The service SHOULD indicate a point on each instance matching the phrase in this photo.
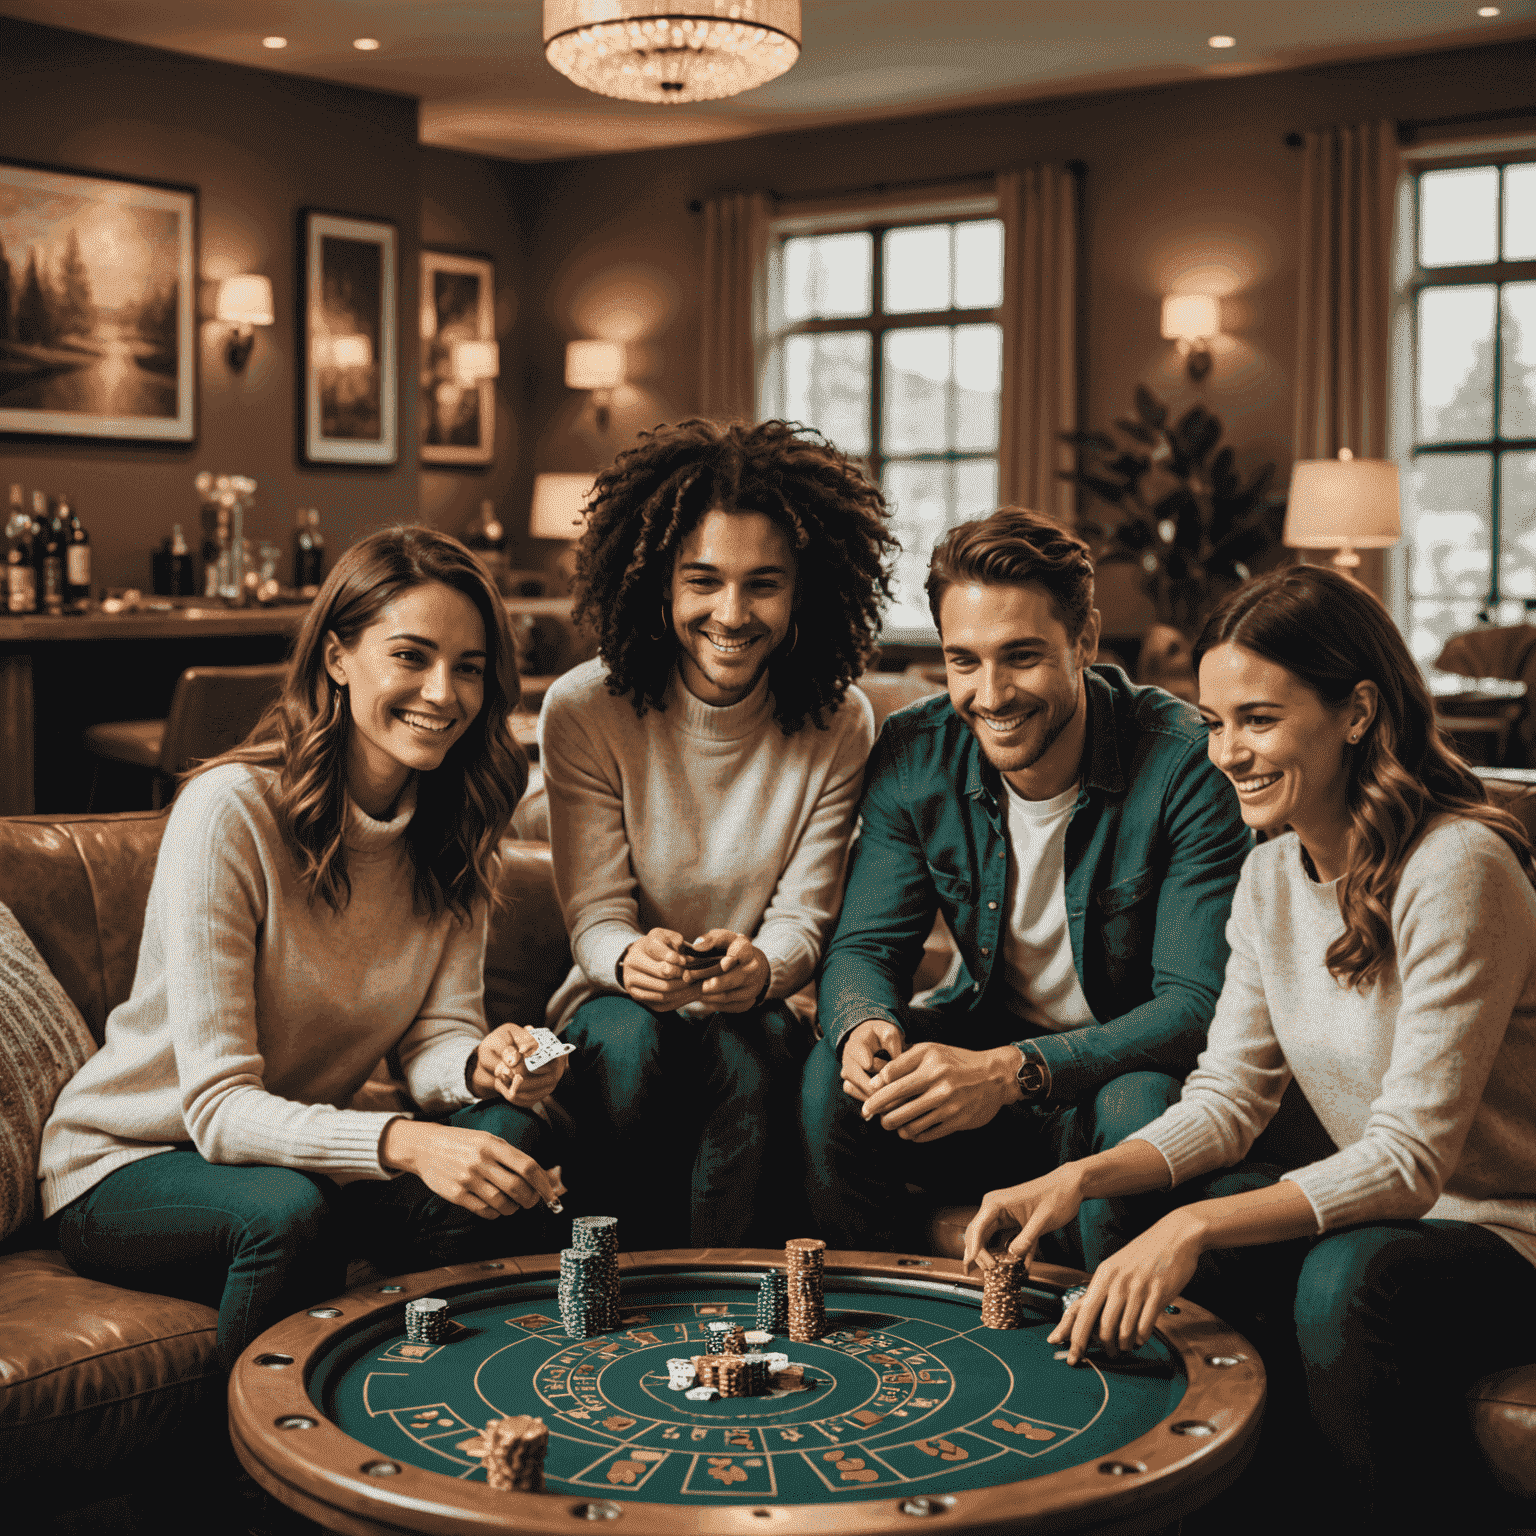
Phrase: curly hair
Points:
(464, 805)
(1331, 634)
(653, 495)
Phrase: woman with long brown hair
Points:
(1384, 958)
(320, 899)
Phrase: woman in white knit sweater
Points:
(319, 899)
(1384, 958)
(703, 779)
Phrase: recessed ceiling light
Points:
(365, 44)
(1487, 10)
(1221, 42)
(274, 42)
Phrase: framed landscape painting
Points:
(458, 343)
(349, 408)
(97, 306)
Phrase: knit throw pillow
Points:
(43, 1043)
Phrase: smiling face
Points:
(1286, 751)
(1016, 679)
(733, 597)
(415, 679)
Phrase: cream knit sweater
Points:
(1426, 1082)
(255, 1016)
(696, 817)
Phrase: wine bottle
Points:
(488, 540)
(308, 550)
(48, 555)
(181, 581)
(20, 576)
(77, 558)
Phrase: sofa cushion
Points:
(90, 1368)
(1503, 1410)
(528, 954)
(43, 1043)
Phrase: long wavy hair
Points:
(1331, 634)
(462, 806)
(655, 494)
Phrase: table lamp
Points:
(1344, 504)
(559, 508)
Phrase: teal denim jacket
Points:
(1153, 851)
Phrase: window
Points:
(886, 337)
(1470, 497)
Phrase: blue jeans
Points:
(676, 1115)
(259, 1243)
(858, 1173)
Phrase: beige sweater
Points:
(696, 817)
(255, 1016)
(1426, 1082)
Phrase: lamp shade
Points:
(351, 352)
(1343, 504)
(245, 300)
(594, 364)
(475, 360)
(559, 504)
(1190, 317)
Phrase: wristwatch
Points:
(1031, 1077)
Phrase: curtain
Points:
(1343, 348)
(735, 303)
(1038, 207)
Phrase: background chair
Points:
(1500, 733)
(212, 709)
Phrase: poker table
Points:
(911, 1416)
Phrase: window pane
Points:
(979, 264)
(1456, 363)
(1519, 212)
(917, 269)
(979, 384)
(826, 385)
(1448, 515)
(826, 276)
(975, 489)
(1430, 625)
(1517, 525)
(915, 402)
(1457, 216)
(1517, 342)
(919, 499)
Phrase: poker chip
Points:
(681, 1375)
(426, 1320)
(772, 1303)
(589, 1277)
(1002, 1292)
(757, 1337)
(701, 1394)
(805, 1268)
(734, 1342)
(716, 1335)
(512, 1451)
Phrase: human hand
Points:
(473, 1169)
(861, 1049)
(733, 983)
(654, 972)
(1035, 1207)
(1130, 1289)
(498, 1068)
(932, 1090)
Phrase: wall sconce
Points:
(472, 361)
(598, 366)
(1343, 504)
(559, 508)
(243, 303)
(1192, 319)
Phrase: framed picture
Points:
(349, 407)
(458, 358)
(97, 306)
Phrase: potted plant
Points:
(1188, 523)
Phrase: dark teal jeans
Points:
(685, 1126)
(259, 1243)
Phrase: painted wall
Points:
(1189, 186)
(259, 147)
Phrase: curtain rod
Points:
(879, 188)
(1409, 129)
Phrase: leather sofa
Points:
(100, 1382)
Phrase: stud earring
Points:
(1355, 738)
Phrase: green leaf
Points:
(1135, 429)
(1099, 442)
(1150, 408)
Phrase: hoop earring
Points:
(666, 623)
(796, 640)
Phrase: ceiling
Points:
(480, 75)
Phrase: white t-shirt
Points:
(1037, 947)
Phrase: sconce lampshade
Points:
(1190, 317)
(559, 503)
(1343, 503)
(245, 300)
(475, 360)
(594, 364)
(351, 352)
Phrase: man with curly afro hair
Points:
(703, 776)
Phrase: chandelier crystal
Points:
(689, 50)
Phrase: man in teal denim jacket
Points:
(1083, 852)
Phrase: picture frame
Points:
(458, 304)
(98, 306)
(348, 335)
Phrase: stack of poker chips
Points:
(426, 1321)
(1002, 1292)
(681, 1374)
(589, 1277)
(734, 1342)
(727, 1374)
(512, 1452)
(717, 1335)
(772, 1296)
(805, 1261)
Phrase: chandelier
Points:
(689, 50)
